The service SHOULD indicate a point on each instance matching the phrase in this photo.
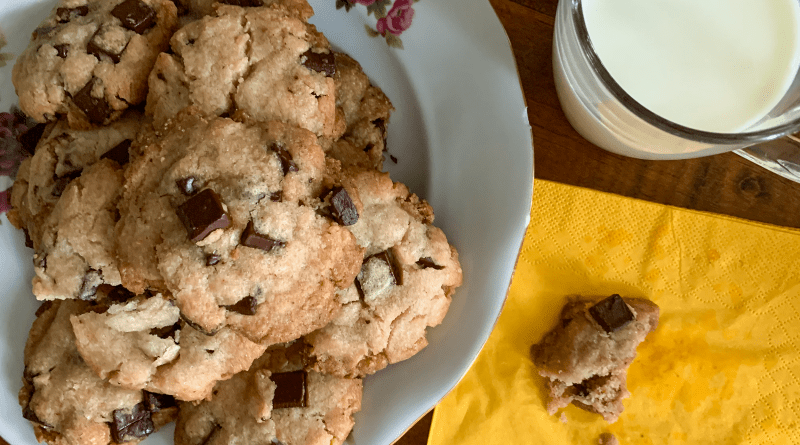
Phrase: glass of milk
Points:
(674, 79)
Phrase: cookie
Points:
(61, 154)
(225, 216)
(89, 59)
(408, 275)
(363, 112)
(76, 251)
(278, 401)
(200, 8)
(585, 358)
(259, 64)
(141, 343)
(66, 403)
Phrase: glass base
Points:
(781, 156)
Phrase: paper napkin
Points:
(723, 367)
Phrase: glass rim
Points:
(708, 137)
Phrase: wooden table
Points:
(725, 183)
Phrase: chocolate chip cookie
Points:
(278, 401)
(363, 111)
(225, 216)
(262, 63)
(200, 8)
(89, 59)
(408, 275)
(585, 358)
(66, 403)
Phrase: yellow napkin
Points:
(723, 367)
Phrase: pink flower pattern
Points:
(390, 23)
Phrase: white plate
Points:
(461, 136)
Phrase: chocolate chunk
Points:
(197, 327)
(245, 306)
(287, 164)
(244, 3)
(135, 15)
(63, 50)
(102, 55)
(202, 214)
(612, 313)
(427, 263)
(66, 14)
(394, 159)
(119, 153)
(91, 281)
(43, 307)
(166, 331)
(131, 425)
(97, 110)
(212, 259)
(42, 31)
(320, 62)
(251, 238)
(30, 139)
(30, 415)
(155, 402)
(343, 208)
(28, 240)
(380, 123)
(378, 274)
(187, 186)
(118, 294)
(276, 196)
(290, 390)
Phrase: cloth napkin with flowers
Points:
(723, 366)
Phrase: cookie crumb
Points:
(607, 439)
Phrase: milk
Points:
(713, 65)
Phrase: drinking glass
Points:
(603, 113)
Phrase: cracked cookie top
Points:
(225, 216)
(89, 60)
(258, 63)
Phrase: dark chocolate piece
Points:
(427, 263)
(97, 110)
(612, 313)
(28, 240)
(244, 3)
(343, 208)
(30, 139)
(287, 164)
(276, 196)
(155, 402)
(30, 415)
(66, 14)
(245, 306)
(320, 62)
(197, 327)
(213, 259)
(291, 390)
(60, 184)
(367, 282)
(43, 307)
(166, 331)
(91, 281)
(127, 426)
(202, 214)
(119, 153)
(380, 123)
(135, 15)
(63, 50)
(187, 186)
(118, 294)
(101, 54)
(42, 31)
(251, 238)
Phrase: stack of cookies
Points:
(214, 241)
